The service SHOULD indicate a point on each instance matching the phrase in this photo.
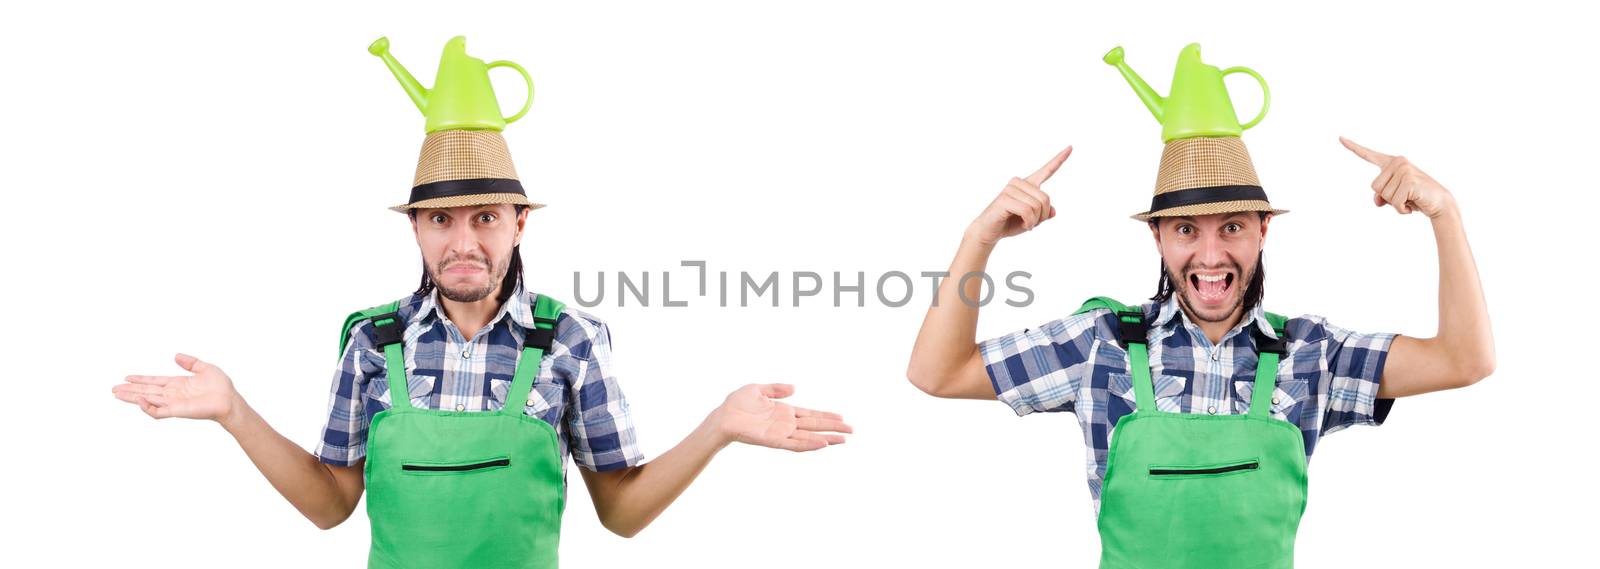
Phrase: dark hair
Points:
(1252, 291)
(507, 285)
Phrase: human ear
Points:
(1264, 221)
(522, 223)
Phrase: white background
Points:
(212, 179)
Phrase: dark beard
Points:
(471, 294)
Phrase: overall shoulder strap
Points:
(361, 316)
(535, 344)
(1133, 332)
(389, 336)
(1131, 327)
(546, 311)
(1102, 302)
(1269, 351)
(1278, 322)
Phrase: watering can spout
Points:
(1153, 101)
(418, 93)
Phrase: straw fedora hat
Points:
(463, 168)
(1204, 176)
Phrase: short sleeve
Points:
(344, 436)
(1041, 369)
(1354, 364)
(599, 428)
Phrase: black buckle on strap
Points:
(1131, 328)
(392, 332)
(1270, 344)
(540, 338)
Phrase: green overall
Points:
(463, 489)
(1189, 490)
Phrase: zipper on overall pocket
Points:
(415, 468)
(1182, 471)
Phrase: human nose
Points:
(1212, 252)
(463, 239)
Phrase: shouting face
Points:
(1210, 259)
(467, 250)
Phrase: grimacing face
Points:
(1210, 259)
(467, 250)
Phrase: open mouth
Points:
(1211, 288)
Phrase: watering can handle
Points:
(1266, 95)
(529, 80)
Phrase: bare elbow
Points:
(623, 523)
(1481, 369)
(624, 531)
(1482, 365)
(943, 373)
(330, 520)
(930, 383)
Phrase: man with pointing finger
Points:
(1199, 409)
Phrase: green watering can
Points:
(461, 97)
(1198, 105)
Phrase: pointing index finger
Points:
(1378, 159)
(1049, 169)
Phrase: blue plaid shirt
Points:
(1326, 382)
(574, 391)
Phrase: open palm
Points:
(208, 394)
(752, 415)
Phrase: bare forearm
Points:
(945, 361)
(302, 479)
(947, 339)
(643, 492)
(1464, 331)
